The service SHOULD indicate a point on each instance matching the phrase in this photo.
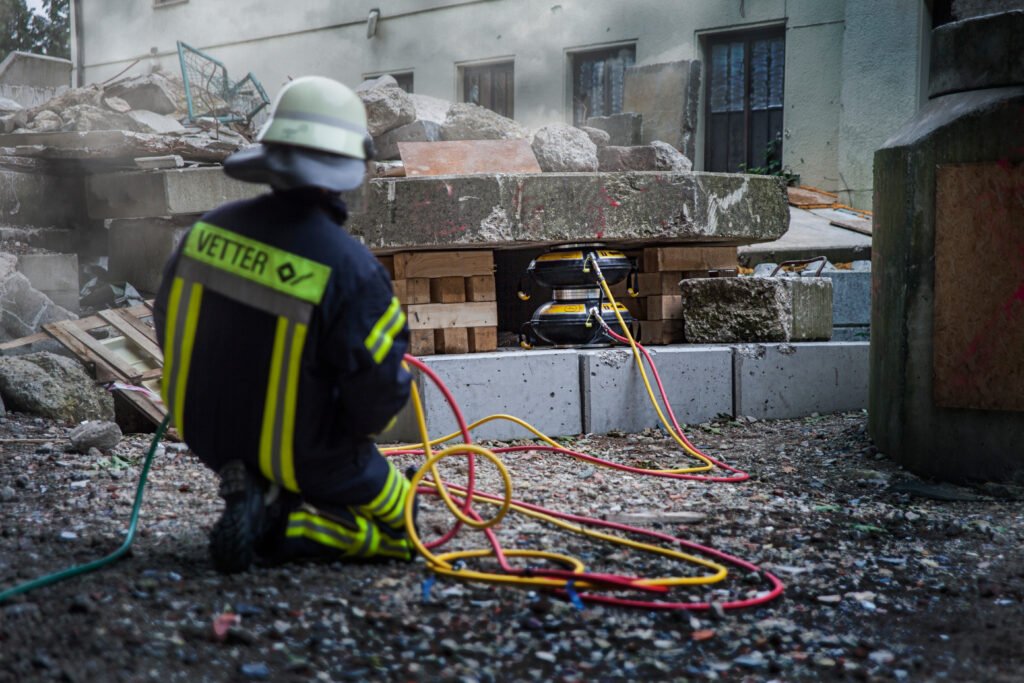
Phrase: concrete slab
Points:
(55, 275)
(793, 380)
(809, 235)
(697, 381)
(541, 387)
(494, 211)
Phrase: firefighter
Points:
(283, 346)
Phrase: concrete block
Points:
(24, 68)
(417, 131)
(32, 197)
(756, 309)
(793, 380)
(55, 275)
(851, 297)
(666, 96)
(541, 387)
(697, 381)
(138, 248)
(624, 130)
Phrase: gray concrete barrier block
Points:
(139, 247)
(540, 387)
(697, 381)
(793, 380)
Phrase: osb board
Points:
(806, 198)
(465, 157)
(978, 357)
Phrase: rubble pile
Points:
(148, 114)
(396, 116)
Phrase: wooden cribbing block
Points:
(436, 316)
(665, 307)
(483, 339)
(399, 288)
(451, 340)
(389, 264)
(417, 291)
(665, 282)
(480, 288)
(448, 290)
(685, 258)
(421, 342)
(444, 264)
(661, 331)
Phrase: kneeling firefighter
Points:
(283, 347)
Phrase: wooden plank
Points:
(399, 289)
(93, 350)
(389, 265)
(451, 340)
(448, 290)
(443, 263)
(436, 316)
(463, 157)
(421, 342)
(417, 290)
(665, 307)
(664, 282)
(688, 258)
(661, 332)
(483, 339)
(809, 198)
(864, 227)
(91, 322)
(480, 288)
(139, 333)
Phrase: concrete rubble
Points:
(53, 386)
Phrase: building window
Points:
(403, 78)
(491, 86)
(744, 96)
(597, 79)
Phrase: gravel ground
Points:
(887, 577)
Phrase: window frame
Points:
(505, 65)
(575, 54)
(747, 37)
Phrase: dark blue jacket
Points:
(350, 380)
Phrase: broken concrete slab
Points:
(53, 386)
(33, 196)
(597, 136)
(24, 309)
(624, 130)
(432, 109)
(756, 309)
(153, 92)
(561, 148)
(114, 145)
(387, 107)
(465, 121)
(87, 117)
(147, 121)
(138, 247)
(417, 131)
(615, 159)
(668, 158)
(495, 211)
(666, 96)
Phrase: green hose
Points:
(102, 562)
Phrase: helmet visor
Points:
(286, 167)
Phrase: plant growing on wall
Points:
(773, 164)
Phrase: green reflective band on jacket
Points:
(257, 261)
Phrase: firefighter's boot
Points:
(240, 527)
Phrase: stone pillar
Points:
(947, 324)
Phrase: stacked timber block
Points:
(448, 298)
(659, 303)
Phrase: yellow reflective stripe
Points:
(187, 343)
(169, 355)
(290, 401)
(386, 496)
(382, 336)
(325, 532)
(270, 404)
(257, 261)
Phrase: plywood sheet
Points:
(978, 342)
(807, 198)
(466, 157)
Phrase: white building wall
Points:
(432, 38)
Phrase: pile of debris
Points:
(396, 116)
(147, 115)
